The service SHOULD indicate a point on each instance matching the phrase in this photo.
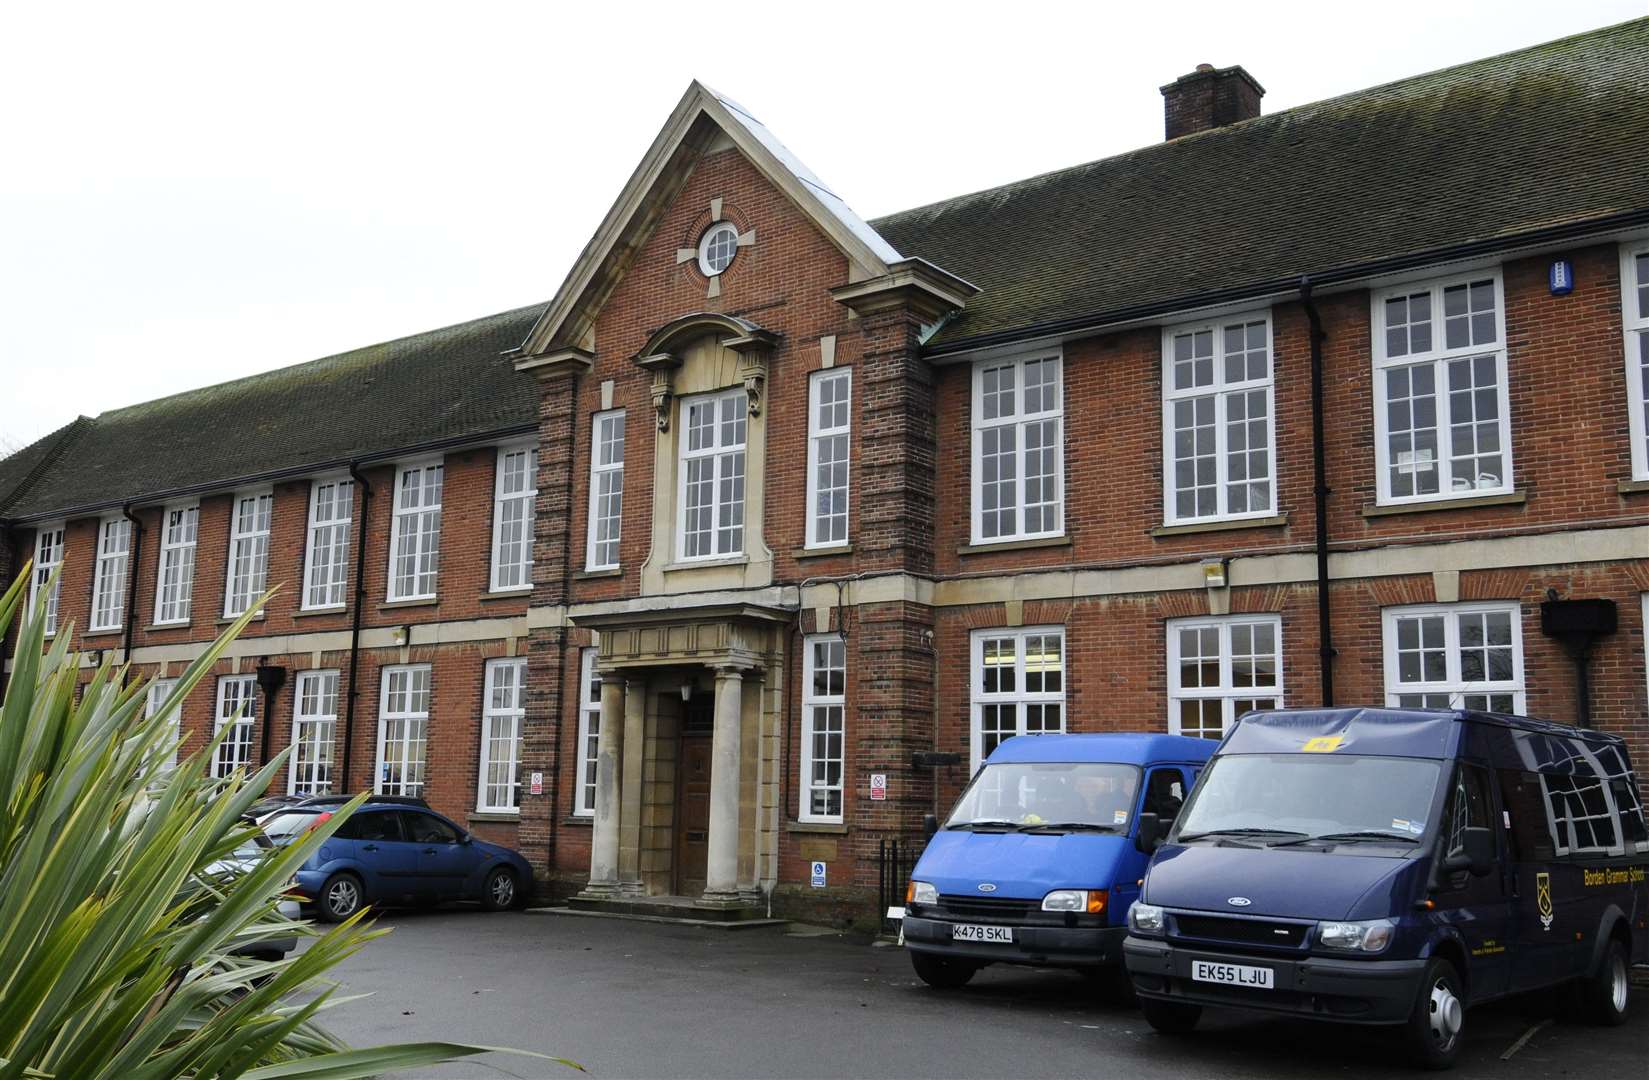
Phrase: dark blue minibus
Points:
(1037, 864)
(1396, 866)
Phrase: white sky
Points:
(194, 193)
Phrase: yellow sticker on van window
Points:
(1323, 744)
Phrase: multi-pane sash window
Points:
(237, 709)
(1442, 427)
(501, 714)
(824, 702)
(589, 732)
(326, 560)
(829, 424)
(1217, 431)
(114, 546)
(514, 493)
(1634, 284)
(1219, 669)
(248, 551)
(403, 730)
(178, 528)
(1017, 685)
(1018, 449)
(314, 719)
(1455, 656)
(712, 475)
(415, 541)
(606, 490)
(159, 691)
(48, 556)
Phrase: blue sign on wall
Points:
(1561, 278)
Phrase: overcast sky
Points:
(195, 193)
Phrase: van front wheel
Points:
(1436, 1028)
(940, 973)
(1607, 992)
(1170, 1017)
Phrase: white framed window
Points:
(415, 533)
(1218, 440)
(1018, 449)
(175, 576)
(1220, 668)
(314, 720)
(1634, 311)
(1454, 656)
(114, 547)
(712, 475)
(326, 550)
(589, 732)
(717, 247)
(1442, 424)
(502, 711)
(829, 431)
(159, 691)
(1016, 686)
(515, 491)
(237, 708)
(606, 490)
(403, 730)
(824, 708)
(48, 556)
(248, 572)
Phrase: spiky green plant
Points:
(121, 947)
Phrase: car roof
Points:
(1428, 733)
(1123, 748)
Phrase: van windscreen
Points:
(1301, 797)
(1079, 795)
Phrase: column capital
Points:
(731, 671)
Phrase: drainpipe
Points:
(355, 615)
(1320, 493)
(133, 561)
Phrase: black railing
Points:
(895, 860)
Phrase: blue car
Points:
(1037, 862)
(398, 852)
(1396, 866)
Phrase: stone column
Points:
(609, 759)
(721, 879)
(631, 784)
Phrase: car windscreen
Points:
(283, 828)
(1097, 796)
(1285, 798)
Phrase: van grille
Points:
(1247, 931)
(989, 909)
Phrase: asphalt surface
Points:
(636, 999)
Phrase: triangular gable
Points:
(701, 117)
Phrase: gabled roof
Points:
(698, 120)
(1546, 139)
(21, 470)
(444, 387)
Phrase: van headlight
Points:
(1080, 901)
(1371, 936)
(920, 892)
(1145, 919)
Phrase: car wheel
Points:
(1437, 1025)
(1606, 994)
(941, 973)
(501, 891)
(340, 898)
(1170, 1017)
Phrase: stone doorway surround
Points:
(645, 659)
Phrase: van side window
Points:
(1525, 807)
(1165, 794)
(1632, 829)
(1468, 805)
(1580, 810)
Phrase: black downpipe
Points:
(355, 616)
(134, 558)
(1320, 493)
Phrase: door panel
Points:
(692, 814)
(389, 863)
(1476, 906)
(443, 863)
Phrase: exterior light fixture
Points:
(403, 635)
(1213, 573)
(1561, 277)
(686, 689)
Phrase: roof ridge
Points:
(877, 222)
(65, 437)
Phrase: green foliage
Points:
(122, 945)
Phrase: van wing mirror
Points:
(1148, 833)
(1476, 852)
(930, 825)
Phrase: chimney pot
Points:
(1209, 97)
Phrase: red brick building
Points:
(668, 581)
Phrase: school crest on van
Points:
(1543, 898)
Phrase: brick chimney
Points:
(1209, 97)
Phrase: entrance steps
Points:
(683, 910)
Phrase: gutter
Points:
(1320, 492)
(133, 561)
(355, 615)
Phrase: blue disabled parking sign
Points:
(818, 875)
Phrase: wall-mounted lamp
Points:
(403, 635)
(1213, 573)
(97, 657)
(687, 690)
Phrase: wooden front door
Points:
(693, 797)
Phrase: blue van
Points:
(1395, 866)
(1037, 863)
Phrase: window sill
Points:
(1633, 487)
(823, 828)
(586, 820)
(1273, 521)
(393, 605)
(592, 575)
(1508, 498)
(501, 817)
(821, 552)
(505, 594)
(229, 620)
(310, 613)
(160, 626)
(114, 631)
(1014, 545)
(705, 564)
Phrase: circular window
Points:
(717, 247)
